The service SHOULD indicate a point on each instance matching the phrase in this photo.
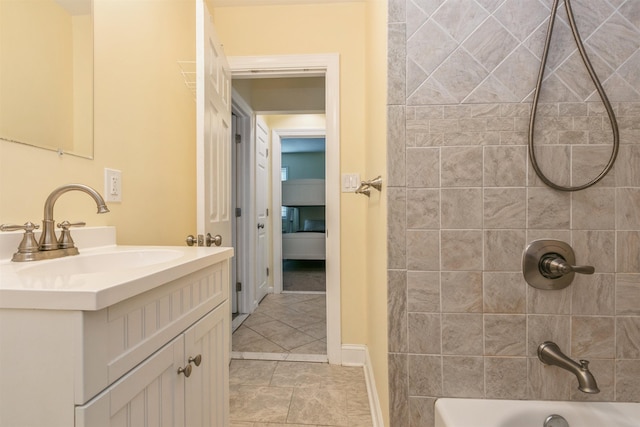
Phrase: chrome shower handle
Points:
(554, 265)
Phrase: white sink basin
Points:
(533, 413)
(99, 262)
(99, 277)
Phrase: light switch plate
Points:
(350, 182)
(112, 185)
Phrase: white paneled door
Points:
(262, 186)
(213, 121)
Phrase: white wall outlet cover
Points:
(112, 185)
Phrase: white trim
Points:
(246, 119)
(307, 65)
(276, 193)
(289, 357)
(358, 355)
(237, 3)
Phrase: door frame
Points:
(327, 66)
(245, 122)
(276, 193)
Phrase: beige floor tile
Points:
(251, 372)
(245, 339)
(315, 347)
(325, 406)
(264, 404)
(316, 330)
(283, 335)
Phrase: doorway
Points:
(327, 67)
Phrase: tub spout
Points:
(48, 239)
(550, 354)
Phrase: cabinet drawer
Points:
(116, 339)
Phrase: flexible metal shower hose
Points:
(599, 88)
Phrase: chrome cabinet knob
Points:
(196, 360)
(186, 370)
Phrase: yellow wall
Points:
(376, 158)
(144, 126)
(313, 29)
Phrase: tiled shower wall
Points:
(464, 201)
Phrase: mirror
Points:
(46, 74)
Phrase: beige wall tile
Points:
(463, 376)
(627, 384)
(423, 250)
(592, 337)
(627, 250)
(628, 337)
(397, 310)
(505, 207)
(593, 294)
(627, 294)
(423, 208)
(462, 334)
(505, 166)
(505, 335)
(505, 377)
(425, 375)
(461, 292)
(504, 293)
(628, 208)
(461, 208)
(424, 333)
(461, 249)
(423, 291)
(541, 328)
(461, 166)
(423, 167)
(548, 208)
(503, 249)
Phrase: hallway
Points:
(284, 325)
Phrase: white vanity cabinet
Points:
(155, 394)
(119, 365)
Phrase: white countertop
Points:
(34, 285)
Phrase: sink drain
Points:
(555, 420)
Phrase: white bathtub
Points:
(532, 413)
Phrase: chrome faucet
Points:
(550, 354)
(48, 239)
(49, 247)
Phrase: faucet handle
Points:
(28, 226)
(29, 244)
(65, 241)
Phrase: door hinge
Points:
(238, 212)
(267, 271)
(267, 212)
(267, 153)
(238, 286)
(238, 138)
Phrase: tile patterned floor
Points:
(297, 394)
(287, 323)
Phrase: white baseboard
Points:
(358, 355)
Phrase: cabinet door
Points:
(150, 395)
(207, 389)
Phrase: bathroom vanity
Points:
(116, 336)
